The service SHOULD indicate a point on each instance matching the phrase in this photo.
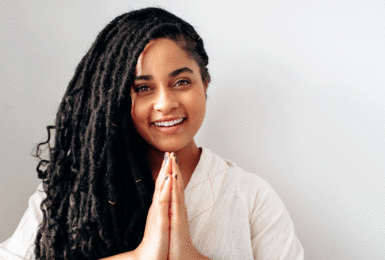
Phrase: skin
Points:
(157, 95)
(181, 245)
(168, 85)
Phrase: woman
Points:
(126, 180)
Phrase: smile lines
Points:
(169, 123)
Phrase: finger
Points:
(177, 194)
(164, 199)
(176, 172)
(165, 192)
(160, 179)
(166, 171)
(164, 175)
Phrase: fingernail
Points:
(166, 177)
(165, 157)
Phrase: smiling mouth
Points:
(169, 123)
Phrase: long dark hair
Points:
(99, 187)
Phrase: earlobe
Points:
(206, 85)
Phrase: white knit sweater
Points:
(233, 214)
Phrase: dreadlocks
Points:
(99, 187)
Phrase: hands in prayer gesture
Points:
(167, 233)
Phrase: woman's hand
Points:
(155, 243)
(181, 245)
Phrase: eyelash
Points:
(140, 89)
(182, 82)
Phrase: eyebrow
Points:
(171, 74)
(179, 71)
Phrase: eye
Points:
(142, 88)
(182, 82)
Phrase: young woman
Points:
(126, 180)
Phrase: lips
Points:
(170, 127)
(169, 123)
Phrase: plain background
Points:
(297, 97)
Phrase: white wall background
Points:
(297, 96)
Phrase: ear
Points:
(205, 85)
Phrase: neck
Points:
(188, 158)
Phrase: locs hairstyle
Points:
(98, 185)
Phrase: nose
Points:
(165, 100)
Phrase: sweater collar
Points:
(203, 188)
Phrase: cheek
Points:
(138, 113)
(197, 105)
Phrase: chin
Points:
(170, 146)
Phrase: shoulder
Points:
(239, 181)
(250, 204)
(249, 189)
(21, 244)
(245, 181)
(36, 199)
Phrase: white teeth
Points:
(169, 123)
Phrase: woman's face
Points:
(168, 96)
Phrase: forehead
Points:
(162, 56)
